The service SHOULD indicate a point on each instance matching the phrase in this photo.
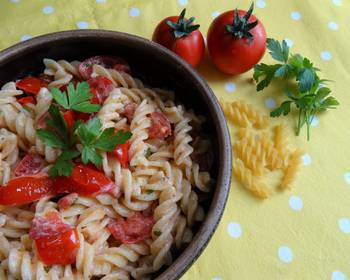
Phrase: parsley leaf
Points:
(64, 164)
(77, 99)
(310, 96)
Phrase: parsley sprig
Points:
(311, 96)
(77, 99)
(91, 135)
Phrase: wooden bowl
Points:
(156, 66)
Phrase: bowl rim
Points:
(191, 253)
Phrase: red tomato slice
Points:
(29, 165)
(69, 118)
(25, 189)
(31, 84)
(129, 110)
(56, 241)
(82, 116)
(132, 230)
(85, 181)
(26, 100)
(67, 200)
(121, 151)
(160, 126)
(101, 88)
(85, 67)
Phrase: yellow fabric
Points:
(318, 234)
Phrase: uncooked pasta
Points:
(79, 208)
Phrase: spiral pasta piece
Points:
(236, 116)
(62, 70)
(182, 148)
(292, 169)
(247, 179)
(254, 116)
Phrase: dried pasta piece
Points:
(258, 120)
(235, 115)
(249, 181)
(245, 152)
(281, 141)
(292, 169)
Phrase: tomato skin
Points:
(29, 165)
(121, 151)
(85, 181)
(190, 48)
(31, 84)
(229, 54)
(160, 126)
(69, 118)
(132, 230)
(26, 189)
(101, 87)
(26, 100)
(56, 241)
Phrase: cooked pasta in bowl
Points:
(115, 159)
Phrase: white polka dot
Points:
(338, 275)
(261, 4)
(15, 1)
(230, 87)
(101, 1)
(48, 10)
(347, 177)
(295, 203)
(315, 121)
(134, 12)
(333, 25)
(26, 37)
(183, 2)
(215, 14)
(307, 159)
(344, 225)
(337, 2)
(216, 278)
(285, 254)
(289, 42)
(234, 230)
(326, 55)
(295, 15)
(270, 103)
(82, 25)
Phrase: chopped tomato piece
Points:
(82, 116)
(85, 181)
(56, 241)
(31, 84)
(129, 110)
(67, 200)
(160, 126)
(132, 230)
(121, 151)
(85, 67)
(69, 118)
(101, 88)
(29, 165)
(25, 189)
(26, 100)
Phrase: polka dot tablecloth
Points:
(303, 233)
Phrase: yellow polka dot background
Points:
(303, 233)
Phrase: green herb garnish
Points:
(157, 232)
(77, 99)
(311, 96)
(150, 191)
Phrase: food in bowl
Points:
(100, 174)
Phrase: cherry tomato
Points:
(67, 200)
(26, 100)
(132, 230)
(56, 241)
(31, 84)
(69, 118)
(29, 165)
(101, 88)
(121, 151)
(25, 189)
(160, 126)
(236, 47)
(117, 63)
(85, 181)
(179, 35)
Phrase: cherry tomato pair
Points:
(236, 40)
